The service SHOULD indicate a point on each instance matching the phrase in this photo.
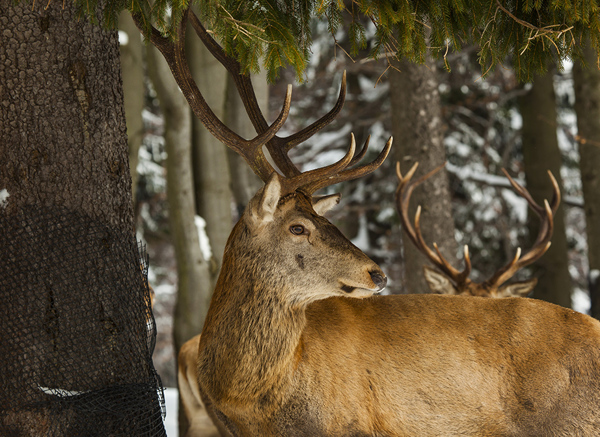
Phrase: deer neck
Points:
(252, 334)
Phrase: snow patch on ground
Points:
(171, 403)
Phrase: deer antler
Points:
(461, 279)
(251, 150)
(403, 193)
(542, 242)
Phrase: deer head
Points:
(283, 217)
(446, 279)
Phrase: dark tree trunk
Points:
(418, 137)
(76, 350)
(541, 153)
(587, 107)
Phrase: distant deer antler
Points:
(251, 150)
(464, 285)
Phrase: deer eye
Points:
(297, 229)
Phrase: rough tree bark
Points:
(418, 137)
(587, 107)
(74, 310)
(541, 153)
(132, 68)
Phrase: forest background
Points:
(443, 110)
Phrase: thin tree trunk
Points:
(541, 153)
(587, 107)
(132, 68)
(418, 137)
(74, 305)
(193, 291)
(211, 166)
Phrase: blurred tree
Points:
(587, 107)
(540, 154)
(193, 288)
(211, 168)
(417, 126)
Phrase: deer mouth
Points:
(347, 289)
(379, 282)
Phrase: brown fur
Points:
(285, 352)
(200, 422)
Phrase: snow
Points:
(203, 238)
(171, 403)
(123, 38)
(580, 301)
(4, 198)
(362, 238)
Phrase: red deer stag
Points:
(448, 280)
(295, 343)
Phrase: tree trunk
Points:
(541, 153)
(76, 350)
(193, 291)
(211, 166)
(418, 137)
(587, 107)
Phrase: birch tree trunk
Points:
(418, 137)
(541, 153)
(587, 107)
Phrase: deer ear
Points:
(264, 204)
(438, 282)
(518, 289)
(323, 204)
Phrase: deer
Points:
(299, 341)
(200, 422)
(446, 279)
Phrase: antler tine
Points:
(303, 180)
(458, 277)
(174, 54)
(330, 177)
(360, 155)
(437, 258)
(403, 193)
(542, 242)
(293, 140)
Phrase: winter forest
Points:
(478, 125)
(473, 109)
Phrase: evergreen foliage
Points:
(530, 34)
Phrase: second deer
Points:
(446, 279)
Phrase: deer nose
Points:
(378, 279)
